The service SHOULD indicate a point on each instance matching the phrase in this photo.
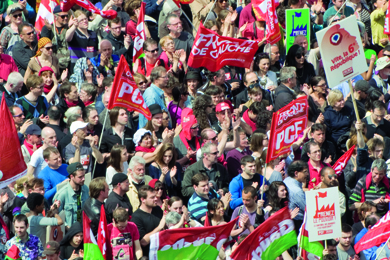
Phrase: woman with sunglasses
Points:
(167, 170)
(161, 194)
(267, 78)
(317, 98)
(175, 107)
(15, 13)
(44, 58)
(141, 81)
(304, 70)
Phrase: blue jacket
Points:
(235, 188)
(51, 178)
(152, 9)
(338, 123)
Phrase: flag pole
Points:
(188, 19)
(341, 8)
(262, 184)
(377, 256)
(212, 8)
(353, 101)
(326, 244)
(100, 142)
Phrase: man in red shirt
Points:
(123, 236)
(315, 164)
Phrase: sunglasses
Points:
(153, 51)
(215, 153)
(221, 1)
(330, 176)
(166, 119)
(49, 48)
(18, 115)
(141, 82)
(157, 189)
(214, 138)
(195, 127)
(17, 15)
(29, 33)
(298, 56)
(64, 16)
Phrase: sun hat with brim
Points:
(139, 135)
(382, 63)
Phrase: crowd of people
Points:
(201, 157)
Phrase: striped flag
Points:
(140, 35)
(91, 248)
(102, 232)
(310, 250)
(45, 10)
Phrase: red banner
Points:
(266, 9)
(378, 234)
(287, 123)
(102, 232)
(269, 240)
(387, 20)
(213, 51)
(140, 35)
(12, 165)
(125, 92)
(66, 5)
(339, 166)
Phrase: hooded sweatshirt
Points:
(65, 247)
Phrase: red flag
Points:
(266, 9)
(378, 234)
(387, 20)
(322, 194)
(339, 166)
(269, 240)
(190, 243)
(45, 10)
(12, 165)
(125, 92)
(206, 221)
(140, 35)
(287, 123)
(213, 51)
(102, 233)
(67, 4)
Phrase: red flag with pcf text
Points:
(124, 92)
(266, 9)
(378, 234)
(287, 123)
(102, 233)
(213, 51)
(339, 166)
(140, 35)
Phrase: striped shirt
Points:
(372, 193)
(197, 206)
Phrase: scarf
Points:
(30, 147)
(88, 103)
(47, 88)
(144, 149)
(247, 120)
(185, 142)
(71, 104)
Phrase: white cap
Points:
(139, 134)
(77, 125)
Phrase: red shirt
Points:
(121, 243)
(315, 174)
(7, 65)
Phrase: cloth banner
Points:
(125, 92)
(91, 249)
(339, 166)
(266, 10)
(66, 5)
(45, 10)
(287, 123)
(213, 51)
(190, 243)
(140, 35)
(310, 250)
(102, 232)
(269, 240)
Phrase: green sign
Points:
(297, 23)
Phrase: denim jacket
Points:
(68, 200)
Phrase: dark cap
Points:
(57, 9)
(74, 167)
(51, 248)
(155, 109)
(193, 75)
(118, 178)
(33, 130)
(362, 85)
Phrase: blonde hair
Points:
(19, 184)
(79, 12)
(334, 96)
(164, 39)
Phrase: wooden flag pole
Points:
(353, 100)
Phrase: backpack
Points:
(14, 39)
(61, 46)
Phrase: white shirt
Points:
(37, 161)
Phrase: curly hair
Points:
(274, 200)
(263, 119)
(200, 105)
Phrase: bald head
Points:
(328, 177)
(301, 41)
(49, 137)
(106, 48)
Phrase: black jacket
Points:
(9, 99)
(360, 106)
(92, 208)
(65, 247)
(283, 96)
(119, 49)
(62, 107)
(242, 97)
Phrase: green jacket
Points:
(221, 177)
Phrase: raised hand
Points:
(173, 172)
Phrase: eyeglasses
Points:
(18, 115)
(195, 127)
(214, 138)
(153, 51)
(141, 82)
(29, 33)
(176, 24)
(215, 153)
(64, 16)
(116, 28)
(48, 48)
(17, 15)
(157, 189)
(298, 56)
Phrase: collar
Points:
(369, 121)
(295, 182)
(311, 167)
(157, 89)
(19, 240)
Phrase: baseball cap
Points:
(222, 107)
(77, 125)
(118, 178)
(74, 167)
(382, 63)
(33, 130)
(51, 248)
(57, 9)
(14, 8)
(362, 85)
